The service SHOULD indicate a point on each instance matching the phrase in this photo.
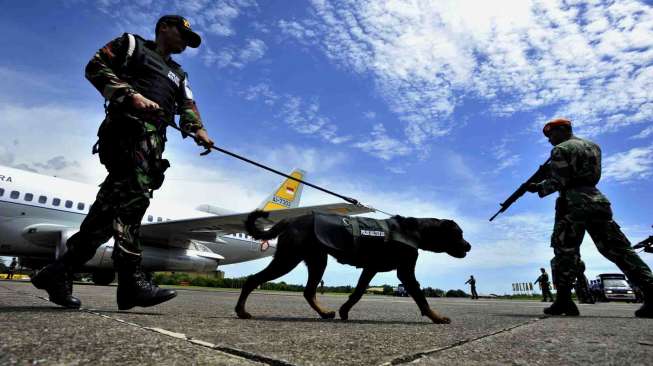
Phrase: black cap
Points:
(192, 39)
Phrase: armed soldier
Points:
(144, 89)
(472, 284)
(545, 285)
(575, 169)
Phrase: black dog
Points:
(299, 241)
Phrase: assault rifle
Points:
(646, 244)
(541, 174)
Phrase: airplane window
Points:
(80, 206)
(2, 192)
(43, 199)
(56, 202)
(69, 204)
(159, 219)
(150, 218)
(14, 194)
(29, 197)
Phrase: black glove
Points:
(532, 187)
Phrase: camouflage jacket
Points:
(105, 66)
(575, 171)
(543, 279)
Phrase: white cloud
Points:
(296, 30)
(636, 163)
(396, 169)
(381, 145)
(305, 117)
(504, 156)
(644, 133)
(590, 61)
(261, 91)
(253, 50)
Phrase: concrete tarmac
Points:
(199, 327)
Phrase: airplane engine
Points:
(195, 258)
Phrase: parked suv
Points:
(612, 287)
(401, 290)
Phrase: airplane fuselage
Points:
(29, 201)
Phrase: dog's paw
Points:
(328, 315)
(244, 315)
(441, 320)
(344, 315)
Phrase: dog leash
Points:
(353, 201)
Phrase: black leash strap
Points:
(213, 147)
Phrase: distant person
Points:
(472, 283)
(12, 269)
(322, 287)
(574, 172)
(545, 285)
(145, 88)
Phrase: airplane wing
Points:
(179, 232)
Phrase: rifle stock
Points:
(647, 244)
(541, 174)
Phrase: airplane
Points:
(39, 213)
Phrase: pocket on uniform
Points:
(157, 172)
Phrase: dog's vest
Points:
(354, 240)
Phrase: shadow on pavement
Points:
(318, 320)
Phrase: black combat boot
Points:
(646, 310)
(57, 280)
(563, 304)
(135, 290)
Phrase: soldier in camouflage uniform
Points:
(472, 284)
(545, 285)
(574, 172)
(144, 89)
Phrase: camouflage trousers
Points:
(546, 292)
(122, 200)
(571, 223)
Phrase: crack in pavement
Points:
(414, 356)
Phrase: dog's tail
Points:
(259, 234)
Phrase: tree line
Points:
(188, 279)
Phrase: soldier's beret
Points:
(555, 123)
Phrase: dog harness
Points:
(353, 239)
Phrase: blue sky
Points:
(421, 108)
